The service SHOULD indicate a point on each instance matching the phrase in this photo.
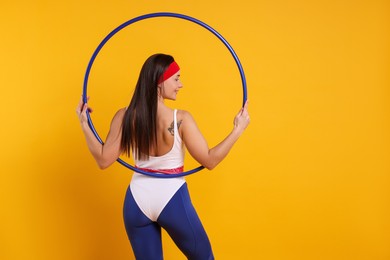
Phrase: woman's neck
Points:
(162, 108)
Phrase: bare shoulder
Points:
(121, 112)
(118, 117)
(185, 116)
(187, 122)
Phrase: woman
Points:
(156, 135)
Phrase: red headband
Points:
(169, 72)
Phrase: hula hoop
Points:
(136, 19)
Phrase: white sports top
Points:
(150, 193)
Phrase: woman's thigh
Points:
(144, 234)
(180, 220)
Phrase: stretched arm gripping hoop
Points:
(134, 20)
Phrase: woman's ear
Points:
(160, 89)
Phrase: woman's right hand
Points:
(242, 119)
(197, 145)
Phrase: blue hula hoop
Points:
(143, 17)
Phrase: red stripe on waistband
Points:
(163, 171)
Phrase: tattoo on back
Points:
(171, 129)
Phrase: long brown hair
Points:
(139, 131)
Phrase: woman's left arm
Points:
(107, 153)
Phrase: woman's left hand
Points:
(81, 111)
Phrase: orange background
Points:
(308, 180)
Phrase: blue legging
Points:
(178, 218)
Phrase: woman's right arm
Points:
(197, 145)
(107, 153)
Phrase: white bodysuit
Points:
(150, 193)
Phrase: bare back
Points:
(165, 133)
